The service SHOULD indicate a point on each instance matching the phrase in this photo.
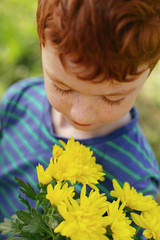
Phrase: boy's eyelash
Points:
(63, 92)
(112, 103)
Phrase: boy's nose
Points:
(83, 110)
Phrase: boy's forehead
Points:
(55, 70)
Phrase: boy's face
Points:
(86, 105)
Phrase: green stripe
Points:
(8, 185)
(78, 187)
(29, 98)
(27, 144)
(10, 158)
(111, 177)
(18, 152)
(21, 120)
(133, 143)
(10, 176)
(4, 212)
(32, 84)
(54, 140)
(39, 90)
(102, 188)
(107, 174)
(5, 171)
(22, 139)
(137, 130)
(42, 160)
(22, 108)
(12, 189)
(3, 192)
(147, 146)
(116, 163)
(128, 154)
(37, 122)
(148, 189)
(36, 138)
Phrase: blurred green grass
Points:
(19, 46)
(148, 104)
(20, 58)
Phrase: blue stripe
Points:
(13, 189)
(29, 130)
(33, 117)
(129, 155)
(28, 97)
(27, 145)
(116, 163)
(4, 212)
(8, 200)
(133, 143)
(10, 158)
(18, 152)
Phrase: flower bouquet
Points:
(62, 213)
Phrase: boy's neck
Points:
(63, 129)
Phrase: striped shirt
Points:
(27, 138)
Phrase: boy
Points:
(96, 56)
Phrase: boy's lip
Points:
(79, 124)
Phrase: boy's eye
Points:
(108, 101)
(63, 91)
(112, 102)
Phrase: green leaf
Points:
(41, 196)
(29, 236)
(27, 189)
(9, 226)
(25, 217)
(42, 199)
(16, 238)
(25, 202)
(36, 224)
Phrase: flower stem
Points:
(63, 183)
(137, 230)
(57, 237)
(50, 220)
(38, 202)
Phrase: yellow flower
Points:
(44, 176)
(60, 193)
(77, 164)
(84, 219)
(119, 223)
(150, 221)
(57, 151)
(133, 199)
(62, 143)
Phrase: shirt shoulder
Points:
(20, 89)
(21, 95)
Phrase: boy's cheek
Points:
(58, 103)
(113, 113)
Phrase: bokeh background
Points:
(19, 46)
(20, 58)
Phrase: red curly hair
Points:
(112, 38)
